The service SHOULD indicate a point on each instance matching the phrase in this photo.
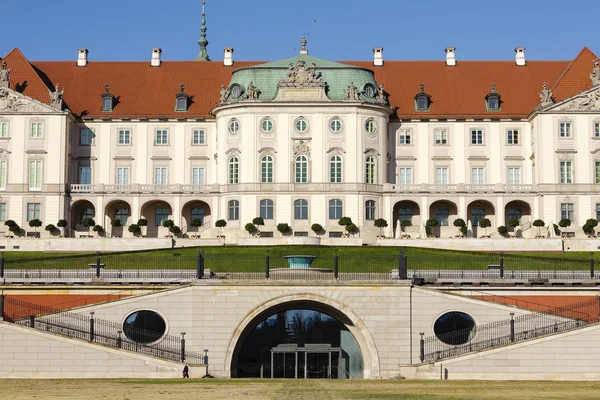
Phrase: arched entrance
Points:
(406, 210)
(80, 210)
(519, 210)
(195, 210)
(478, 210)
(302, 321)
(117, 210)
(156, 211)
(444, 212)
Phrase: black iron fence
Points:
(273, 263)
(88, 328)
(500, 333)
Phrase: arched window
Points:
(266, 169)
(335, 169)
(234, 170)
(335, 209)
(300, 209)
(370, 210)
(233, 210)
(266, 209)
(370, 171)
(301, 169)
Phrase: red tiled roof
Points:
(457, 92)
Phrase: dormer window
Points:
(107, 100)
(181, 100)
(422, 100)
(492, 100)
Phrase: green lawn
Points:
(253, 259)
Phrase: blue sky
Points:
(271, 29)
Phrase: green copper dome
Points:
(337, 78)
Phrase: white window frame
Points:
(597, 171)
(301, 169)
(81, 171)
(371, 170)
(3, 209)
(124, 137)
(161, 175)
(335, 206)
(405, 176)
(370, 210)
(198, 176)
(336, 168)
(565, 172)
(513, 176)
(36, 170)
(442, 176)
(3, 174)
(405, 137)
(37, 130)
(198, 137)
(567, 210)
(266, 209)
(478, 139)
(4, 129)
(161, 137)
(513, 137)
(34, 211)
(233, 210)
(122, 176)
(233, 170)
(335, 125)
(89, 133)
(441, 137)
(478, 175)
(267, 169)
(565, 129)
(596, 129)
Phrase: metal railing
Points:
(107, 333)
(553, 320)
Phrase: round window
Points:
(144, 326)
(267, 125)
(234, 126)
(335, 125)
(236, 90)
(369, 90)
(301, 125)
(454, 328)
(370, 126)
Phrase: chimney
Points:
(228, 57)
(378, 56)
(82, 57)
(155, 61)
(520, 56)
(450, 56)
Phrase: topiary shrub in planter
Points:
(221, 223)
(317, 229)
(485, 223)
(565, 223)
(35, 223)
(283, 228)
(196, 222)
(460, 224)
(352, 229)
(116, 222)
(588, 228)
(88, 223)
(135, 229)
(502, 230)
(538, 223)
(175, 230)
(15, 229)
(428, 225)
(142, 222)
(98, 229)
(50, 228)
(380, 223)
(405, 223)
(62, 224)
(168, 223)
(250, 228)
(345, 221)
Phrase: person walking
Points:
(186, 371)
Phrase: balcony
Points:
(457, 188)
(142, 188)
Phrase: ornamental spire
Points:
(203, 56)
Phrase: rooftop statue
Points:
(381, 96)
(56, 97)
(224, 95)
(595, 75)
(546, 96)
(251, 92)
(4, 75)
(351, 93)
(302, 75)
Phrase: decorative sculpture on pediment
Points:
(587, 102)
(11, 102)
(224, 95)
(595, 75)
(381, 96)
(4, 75)
(301, 148)
(546, 96)
(56, 97)
(301, 75)
(351, 93)
(251, 92)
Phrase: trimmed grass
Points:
(253, 259)
(218, 389)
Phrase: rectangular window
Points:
(124, 137)
(405, 214)
(162, 137)
(300, 209)
(405, 176)
(441, 176)
(160, 176)
(565, 129)
(37, 130)
(85, 175)
(33, 211)
(478, 176)
(123, 176)
(3, 174)
(234, 210)
(567, 210)
(441, 136)
(442, 215)
(597, 211)
(198, 176)
(198, 137)
(2, 211)
(596, 129)
(566, 172)
(596, 171)
(35, 175)
(301, 234)
(404, 137)
(512, 136)
(3, 129)
(86, 137)
(335, 209)
(370, 210)
(266, 209)
(476, 136)
(514, 176)
(161, 214)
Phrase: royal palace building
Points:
(300, 141)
